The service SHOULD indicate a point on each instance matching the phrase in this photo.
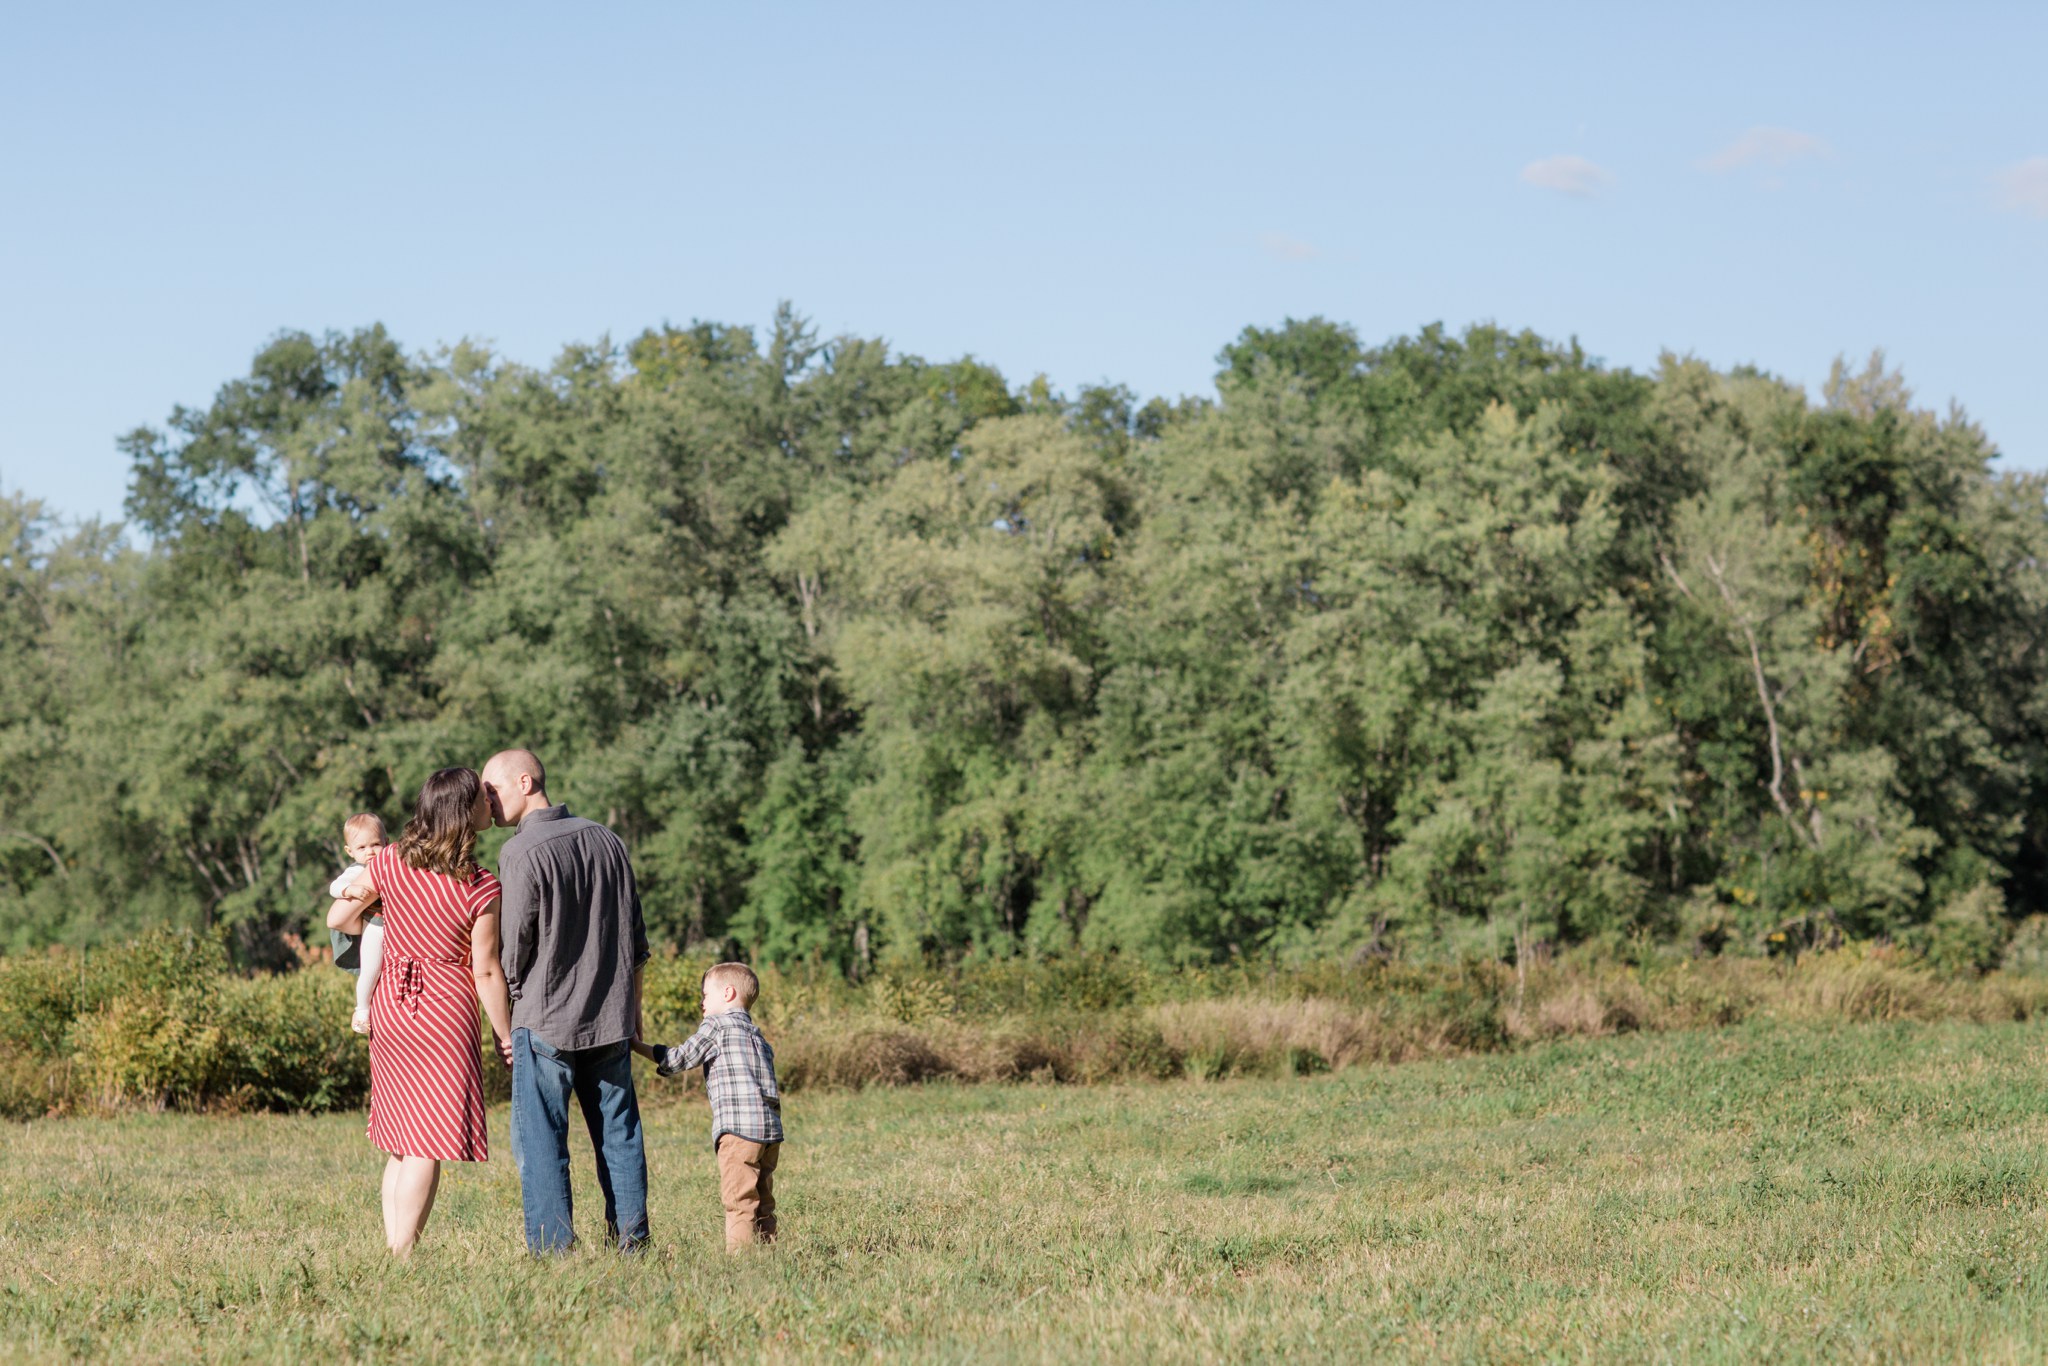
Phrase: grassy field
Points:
(1852, 1193)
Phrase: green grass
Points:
(1851, 1193)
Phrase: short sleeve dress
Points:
(426, 1081)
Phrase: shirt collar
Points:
(546, 813)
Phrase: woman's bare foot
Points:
(361, 1021)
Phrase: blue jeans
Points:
(601, 1079)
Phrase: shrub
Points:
(2026, 953)
(1467, 1007)
(671, 988)
(287, 1043)
(1967, 935)
(1138, 1048)
(32, 1086)
(863, 1057)
(155, 1048)
(1063, 984)
(39, 997)
(909, 1000)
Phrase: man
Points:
(573, 948)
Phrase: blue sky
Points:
(1093, 191)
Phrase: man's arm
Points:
(638, 930)
(519, 897)
(639, 1019)
(489, 975)
(641, 953)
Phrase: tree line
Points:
(1454, 646)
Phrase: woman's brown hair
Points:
(441, 837)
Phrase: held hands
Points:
(504, 1047)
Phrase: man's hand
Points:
(504, 1049)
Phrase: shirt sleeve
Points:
(698, 1049)
(516, 943)
(641, 952)
(629, 885)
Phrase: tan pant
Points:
(746, 1182)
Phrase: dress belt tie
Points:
(412, 984)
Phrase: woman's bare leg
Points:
(392, 1166)
(409, 1187)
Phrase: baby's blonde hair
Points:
(735, 975)
(361, 821)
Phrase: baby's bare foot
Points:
(361, 1021)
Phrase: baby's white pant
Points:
(373, 956)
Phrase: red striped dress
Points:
(426, 1085)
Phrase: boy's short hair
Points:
(360, 822)
(735, 975)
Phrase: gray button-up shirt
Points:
(573, 932)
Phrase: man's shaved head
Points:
(517, 783)
(511, 763)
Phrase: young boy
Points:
(746, 1103)
(362, 835)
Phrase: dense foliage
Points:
(1455, 646)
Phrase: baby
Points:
(362, 951)
(746, 1102)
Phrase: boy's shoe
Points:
(360, 1021)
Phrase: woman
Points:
(440, 960)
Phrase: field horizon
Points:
(1785, 1192)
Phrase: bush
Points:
(910, 1000)
(273, 1042)
(671, 987)
(39, 998)
(155, 1048)
(164, 1021)
(42, 994)
(31, 1086)
(1967, 935)
(866, 1057)
(288, 1045)
(2026, 953)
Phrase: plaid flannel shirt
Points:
(739, 1076)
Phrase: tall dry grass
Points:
(1375, 1017)
(151, 1028)
(1272, 1032)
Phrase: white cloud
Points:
(1288, 248)
(1567, 175)
(1769, 146)
(2023, 187)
